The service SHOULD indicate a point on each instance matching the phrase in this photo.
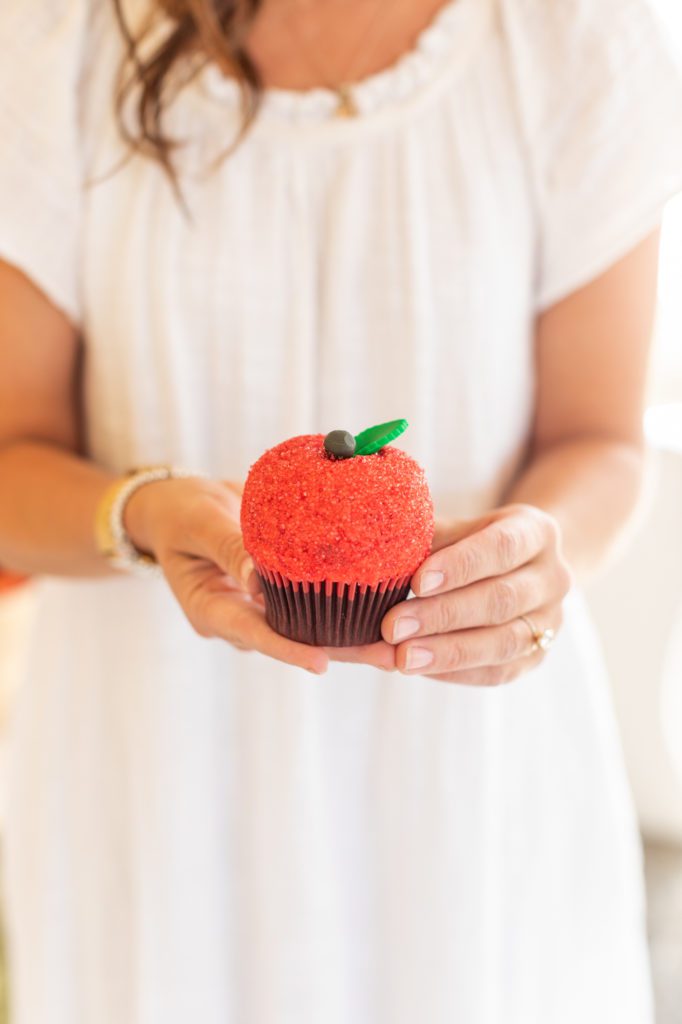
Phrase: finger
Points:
(379, 655)
(240, 621)
(498, 548)
(448, 532)
(492, 675)
(474, 648)
(216, 611)
(220, 581)
(250, 580)
(253, 585)
(236, 486)
(487, 603)
(215, 535)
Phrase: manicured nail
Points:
(418, 657)
(405, 627)
(429, 581)
(318, 668)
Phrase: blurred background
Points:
(637, 605)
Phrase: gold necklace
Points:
(346, 105)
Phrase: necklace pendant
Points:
(347, 106)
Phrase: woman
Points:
(466, 235)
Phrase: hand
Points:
(191, 526)
(481, 576)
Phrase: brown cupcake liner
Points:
(328, 614)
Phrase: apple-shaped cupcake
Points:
(336, 527)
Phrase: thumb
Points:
(221, 542)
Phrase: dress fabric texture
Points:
(198, 834)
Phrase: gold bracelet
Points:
(111, 536)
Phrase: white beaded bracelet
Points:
(111, 535)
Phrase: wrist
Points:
(142, 515)
(129, 542)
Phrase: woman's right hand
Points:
(191, 526)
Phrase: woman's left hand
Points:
(481, 577)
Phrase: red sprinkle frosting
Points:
(311, 517)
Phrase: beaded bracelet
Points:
(111, 536)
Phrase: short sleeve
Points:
(40, 165)
(600, 98)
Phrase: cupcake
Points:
(336, 527)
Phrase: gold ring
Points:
(542, 638)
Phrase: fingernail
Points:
(404, 627)
(418, 657)
(247, 569)
(429, 581)
(317, 671)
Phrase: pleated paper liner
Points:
(328, 614)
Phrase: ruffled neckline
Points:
(432, 51)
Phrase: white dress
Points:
(197, 834)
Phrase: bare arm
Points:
(48, 494)
(587, 454)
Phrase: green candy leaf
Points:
(369, 441)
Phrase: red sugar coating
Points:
(311, 517)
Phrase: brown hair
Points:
(210, 30)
